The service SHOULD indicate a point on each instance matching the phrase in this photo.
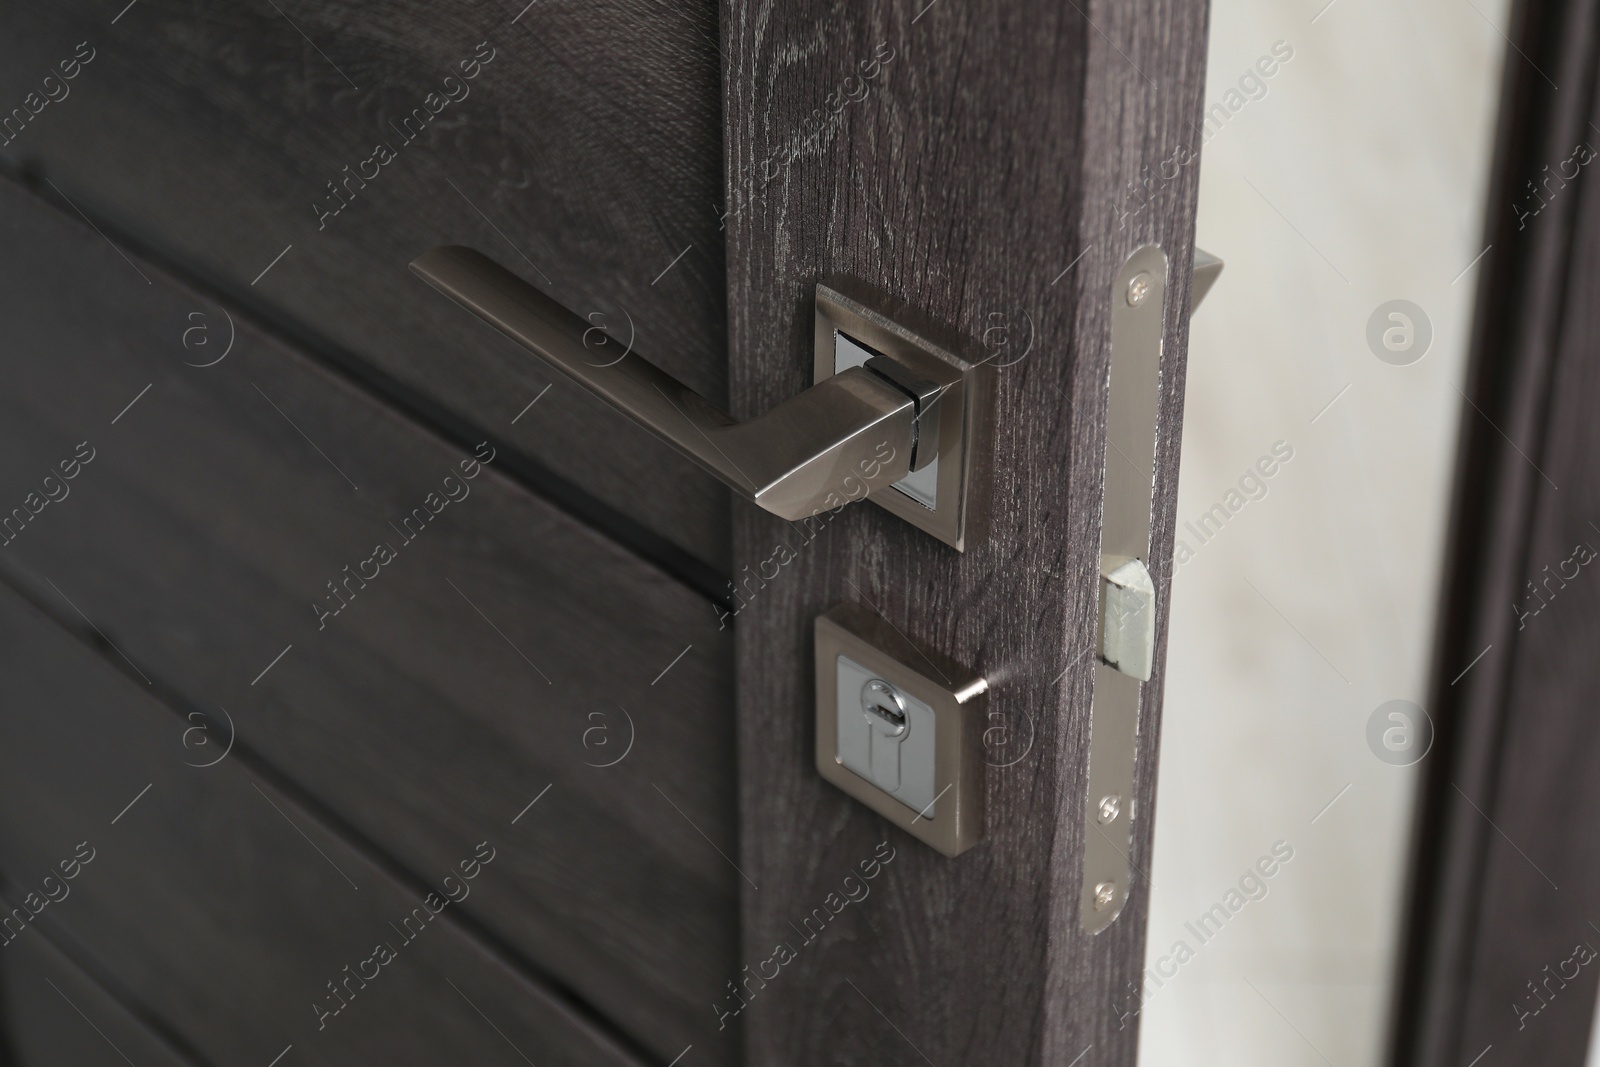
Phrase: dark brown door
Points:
(375, 695)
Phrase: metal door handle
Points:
(835, 442)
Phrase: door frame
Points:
(1504, 882)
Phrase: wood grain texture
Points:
(982, 178)
(54, 1013)
(505, 651)
(1507, 875)
(228, 906)
(586, 156)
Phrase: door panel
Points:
(505, 649)
(56, 1013)
(248, 907)
(555, 629)
(985, 175)
(586, 153)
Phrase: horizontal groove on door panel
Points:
(495, 656)
(619, 526)
(586, 155)
(55, 1010)
(186, 715)
(226, 904)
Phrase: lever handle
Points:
(833, 443)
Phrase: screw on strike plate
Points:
(1138, 288)
(1104, 894)
(1110, 807)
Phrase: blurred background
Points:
(1346, 155)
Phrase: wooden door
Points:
(373, 696)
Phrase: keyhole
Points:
(885, 712)
(883, 708)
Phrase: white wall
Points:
(1357, 178)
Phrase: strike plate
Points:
(1127, 608)
(949, 497)
(898, 729)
